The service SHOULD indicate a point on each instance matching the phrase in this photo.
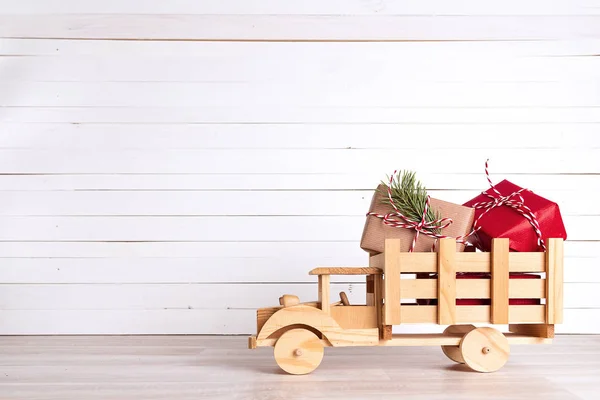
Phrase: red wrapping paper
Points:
(505, 222)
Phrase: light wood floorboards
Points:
(204, 367)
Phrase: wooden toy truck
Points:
(300, 331)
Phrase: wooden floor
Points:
(201, 367)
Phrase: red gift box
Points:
(503, 221)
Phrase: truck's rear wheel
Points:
(453, 352)
(298, 351)
(485, 349)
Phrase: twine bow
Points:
(513, 200)
(398, 220)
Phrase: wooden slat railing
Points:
(446, 288)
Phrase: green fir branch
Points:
(410, 196)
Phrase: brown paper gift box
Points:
(375, 231)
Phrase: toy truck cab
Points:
(300, 331)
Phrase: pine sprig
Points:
(410, 196)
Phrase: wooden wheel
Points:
(453, 352)
(485, 349)
(298, 351)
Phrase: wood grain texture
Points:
(391, 282)
(368, 94)
(355, 317)
(167, 296)
(215, 295)
(466, 262)
(554, 281)
(209, 228)
(232, 64)
(370, 286)
(378, 298)
(213, 161)
(417, 52)
(345, 252)
(500, 286)
(452, 339)
(297, 28)
(540, 330)
(205, 367)
(310, 317)
(446, 269)
(386, 332)
(121, 136)
(308, 115)
(359, 181)
(262, 315)
(453, 351)
(298, 351)
(324, 292)
(311, 7)
(485, 349)
(345, 271)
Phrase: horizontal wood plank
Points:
(583, 253)
(373, 91)
(545, 184)
(448, 50)
(190, 228)
(293, 115)
(307, 7)
(167, 296)
(317, 65)
(467, 262)
(345, 271)
(106, 263)
(288, 161)
(140, 296)
(291, 27)
(440, 339)
(217, 203)
(115, 137)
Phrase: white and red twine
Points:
(514, 200)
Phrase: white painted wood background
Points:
(167, 167)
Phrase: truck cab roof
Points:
(346, 271)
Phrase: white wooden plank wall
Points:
(167, 167)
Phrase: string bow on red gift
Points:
(398, 220)
(513, 200)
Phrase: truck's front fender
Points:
(321, 321)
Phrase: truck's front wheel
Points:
(298, 351)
